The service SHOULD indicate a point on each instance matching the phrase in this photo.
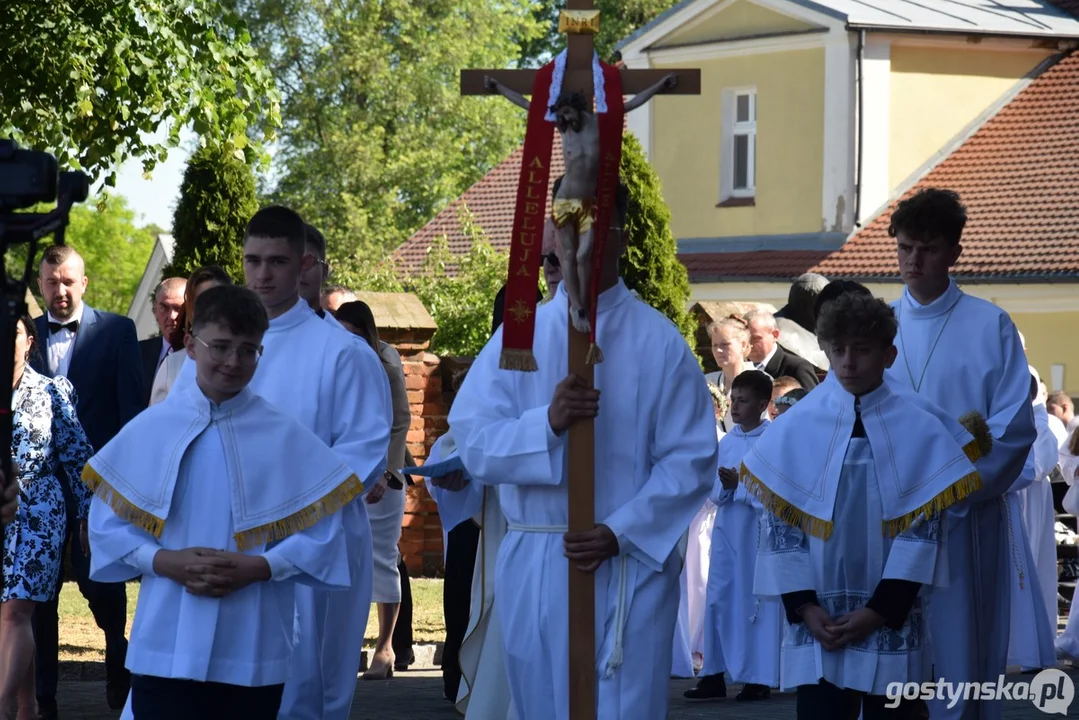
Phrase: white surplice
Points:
(846, 514)
(964, 354)
(245, 638)
(681, 655)
(484, 693)
(1031, 636)
(334, 385)
(745, 630)
(1039, 513)
(655, 458)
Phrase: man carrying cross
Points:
(655, 463)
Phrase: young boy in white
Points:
(854, 479)
(747, 628)
(199, 495)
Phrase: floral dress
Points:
(46, 439)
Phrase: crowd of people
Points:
(859, 493)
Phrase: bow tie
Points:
(55, 327)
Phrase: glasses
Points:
(246, 355)
(551, 259)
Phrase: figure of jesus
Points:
(574, 205)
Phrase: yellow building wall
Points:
(937, 92)
(687, 139)
(1050, 343)
(740, 19)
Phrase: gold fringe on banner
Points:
(594, 356)
(120, 505)
(784, 510)
(303, 519)
(519, 360)
(960, 489)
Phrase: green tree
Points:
(91, 80)
(113, 249)
(651, 265)
(458, 290)
(217, 199)
(618, 20)
(375, 136)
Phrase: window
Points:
(739, 153)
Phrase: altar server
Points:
(218, 526)
(854, 528)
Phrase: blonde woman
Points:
(730, 349)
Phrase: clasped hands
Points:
(211, 573)
(837, 634)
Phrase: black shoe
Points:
(46, 709)
(708, 687)
(751, 692)
(402, 666)
(117, 689)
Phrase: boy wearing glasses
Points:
(218, 526)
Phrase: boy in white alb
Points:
(218, 526)
(853, 528)
(747, 628)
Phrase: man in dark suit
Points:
(98, 352)
(768, 355)
(168, 304)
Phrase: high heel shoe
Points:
(380, 672)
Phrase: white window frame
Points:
(730, 128)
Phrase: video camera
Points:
(27, 178)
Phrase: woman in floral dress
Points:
(46, 440)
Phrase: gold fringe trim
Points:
(973, 451)
(782, 509)
(120, 505)
(518, 360)
(976, 425)
(960, 489)
(303, 519)
(594, 356)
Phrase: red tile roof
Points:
(1018, 176)
(491, 201)
(762, 264)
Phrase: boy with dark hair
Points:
(218, 526)
(278, 221)
(964, 355)
(853, 523)
(742, 632)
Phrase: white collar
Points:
(795, 468)
(941, 305)
(260, 443)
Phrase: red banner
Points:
(610, 158)
(519, 322)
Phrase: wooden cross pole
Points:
(581, 22)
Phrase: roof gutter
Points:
(1053, 39)
(889, 280)
(858, 130)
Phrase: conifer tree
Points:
(650, 265)
(217, 198)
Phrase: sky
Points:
(154, 200)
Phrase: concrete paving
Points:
(417, 695)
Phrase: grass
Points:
(82, 641)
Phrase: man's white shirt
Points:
(62, 342)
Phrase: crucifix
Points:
(584, 99)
